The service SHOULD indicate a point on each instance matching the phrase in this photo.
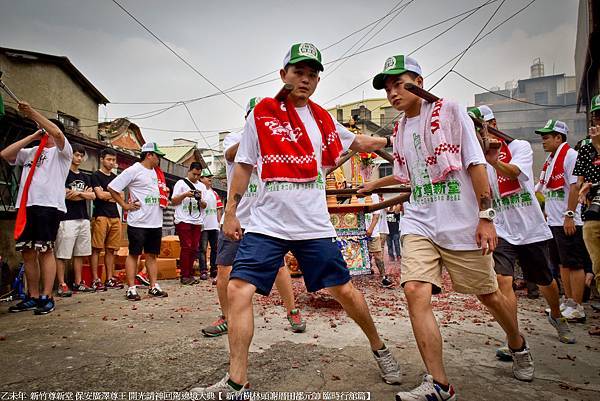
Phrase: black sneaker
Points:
(45, 305)
(386, 282)
(188, 281)
(156, 291)
(82, 287)
(24, 305)
(132, 295)
(113, 282)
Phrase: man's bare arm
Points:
(231, 152)
(43, 122)
(10, 152)
(367, 143)
(485, 235)
(507, 170)
(239, 185)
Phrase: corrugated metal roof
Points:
(176, 153)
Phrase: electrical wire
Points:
(397, 13)
(470, 45)
(176, 54)
(483, 37)
(509, 97)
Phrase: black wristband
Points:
(388, 142)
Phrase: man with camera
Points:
(188, 201)
(587, 168)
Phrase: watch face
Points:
(492, 213)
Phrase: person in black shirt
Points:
(393, 239)
(587, 168)
(74, 236)
(106, 225)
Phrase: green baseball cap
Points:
(595, 106)
(151, 147)
(553, 126)
(483, 113)
(252, 104)
(303, 52)
(396, 65)
(206, 173)
(475, 113)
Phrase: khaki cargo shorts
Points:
(470, 271)
(374, 244)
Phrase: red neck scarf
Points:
(285, 147)
(162, 188)
(506, 185)
(22, 212)
(556, 163)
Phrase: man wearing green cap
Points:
(522, 231)
(291, 143)
(448, 221)
(587, 168)
(144, 215)
(559, 186)
(228, 247)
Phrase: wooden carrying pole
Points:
(430, 97)
(284, 92)
(7, 90)
(354, 191)
(387, 203)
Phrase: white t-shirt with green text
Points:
(446, 212)
(210, 218)
(290, 210)
(251, 194)
(519, 218)
(188, 211)
(142, 184)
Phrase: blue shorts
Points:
(259, 258)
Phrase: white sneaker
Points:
(574, 314)
(564, 304)
(523, 367)
(427, 391)
(389, 368)
(222, 388)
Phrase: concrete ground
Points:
(102, 342)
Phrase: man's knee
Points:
(489, 299)
(344, 292)
(240, 290)
(416, 290)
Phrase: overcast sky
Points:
(231, 42)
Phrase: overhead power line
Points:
(509, 97)
(471, 44)
(176, 54)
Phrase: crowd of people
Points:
(474, 210)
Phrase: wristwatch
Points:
(488, 214)
(569, 213)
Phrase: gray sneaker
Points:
(389, 368)
(523, 367)
(223, 389)
(565, 335)
(503, 353)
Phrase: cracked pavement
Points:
(102, 342)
